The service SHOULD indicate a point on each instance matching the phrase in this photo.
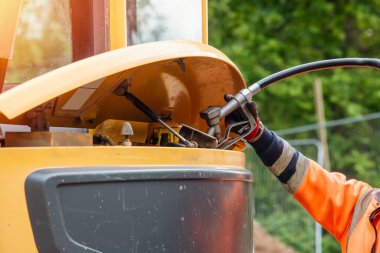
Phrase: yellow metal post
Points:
(9, 13)
(204, 22)
(118, 24)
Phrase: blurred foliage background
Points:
(43, 40)
(263, 37)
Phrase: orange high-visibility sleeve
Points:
(330, 198)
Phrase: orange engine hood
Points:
(179, 77)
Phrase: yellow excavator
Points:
(95, 94)
(112, 129)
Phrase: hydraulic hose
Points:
(312, 67)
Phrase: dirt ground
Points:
(265, 243)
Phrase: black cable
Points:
(316, 66)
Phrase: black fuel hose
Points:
(312, 67)
(245, 95)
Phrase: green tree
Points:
(263, 37)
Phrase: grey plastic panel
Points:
(141, 209)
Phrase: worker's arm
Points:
(328, 197)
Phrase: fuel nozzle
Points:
(214, 115)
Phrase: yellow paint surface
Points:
(17, 163)
(9, 13)
(118, 36)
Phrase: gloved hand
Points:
(238, 116)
